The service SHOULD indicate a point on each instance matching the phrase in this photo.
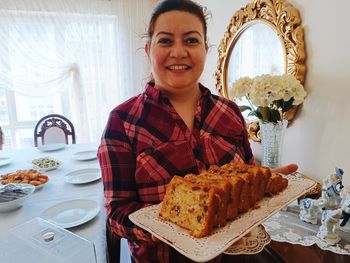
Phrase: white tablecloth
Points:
(56, 191)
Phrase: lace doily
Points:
(207, 248)
(252, 243)
(287, 227)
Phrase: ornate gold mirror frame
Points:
(286, 22)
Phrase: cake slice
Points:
(223, 193)
(236, 192)
(261, 176)
(276, 184)
(191, 206)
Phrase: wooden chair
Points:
(54, 128)
(1, 138)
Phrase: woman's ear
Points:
(147, 48)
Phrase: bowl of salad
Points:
(46, 163)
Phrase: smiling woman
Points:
(177, 55)
(175, 127)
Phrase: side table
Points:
(295, 241)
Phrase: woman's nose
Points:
(178, 50)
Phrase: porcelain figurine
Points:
(345, 218)
(332, 185)
(310, 210)
(329, 229)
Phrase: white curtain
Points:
(89, 50)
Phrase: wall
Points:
(319, 139)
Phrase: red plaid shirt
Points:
(146, 143)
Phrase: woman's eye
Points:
(192, 41)
(164, 41)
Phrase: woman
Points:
(175, 127)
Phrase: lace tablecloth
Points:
(285, 226)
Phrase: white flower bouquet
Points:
(269, 96)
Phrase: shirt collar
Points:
(157, 95)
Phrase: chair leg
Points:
(113, 245)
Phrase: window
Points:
(75, 58)
(31, 45)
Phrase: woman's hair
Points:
(178, 5)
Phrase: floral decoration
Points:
(270, 96)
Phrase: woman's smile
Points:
(178, 68)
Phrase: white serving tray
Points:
(207, 248)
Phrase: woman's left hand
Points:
(287, 169)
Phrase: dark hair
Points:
(178, 5)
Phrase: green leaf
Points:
(279, 103)
(244, 108)
(287, 105)
(265, 113)
(253, 113)
(275, 115)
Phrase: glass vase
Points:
(272, 140)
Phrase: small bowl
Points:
(46, 164)
(37, 187)
(38, 181)
(13, 196)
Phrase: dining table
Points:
(290, 240)
(58, 190)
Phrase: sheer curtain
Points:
(90, 51)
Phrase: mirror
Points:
(257, 51)
(265, 37)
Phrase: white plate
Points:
(51, 147)
(84, 155)
(5, 206)
(5, 160)
(83, 176)
(207, 248)
(71, 213)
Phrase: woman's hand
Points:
(287, 169)
(154, 238)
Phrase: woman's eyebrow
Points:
(192, 32)
(164, 33)
(185, 34)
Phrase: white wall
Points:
(319, 139)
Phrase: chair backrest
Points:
(1, 138)
(54, 128)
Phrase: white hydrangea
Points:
(263, 90)
(241, 87)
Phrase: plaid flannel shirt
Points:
(146, 143)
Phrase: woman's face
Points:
(177, 51)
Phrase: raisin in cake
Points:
(191, 206)
(223, 193)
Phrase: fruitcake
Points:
(191, 206)
(223, 191)
(202, 202)
(237, 192)
(276, 184)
